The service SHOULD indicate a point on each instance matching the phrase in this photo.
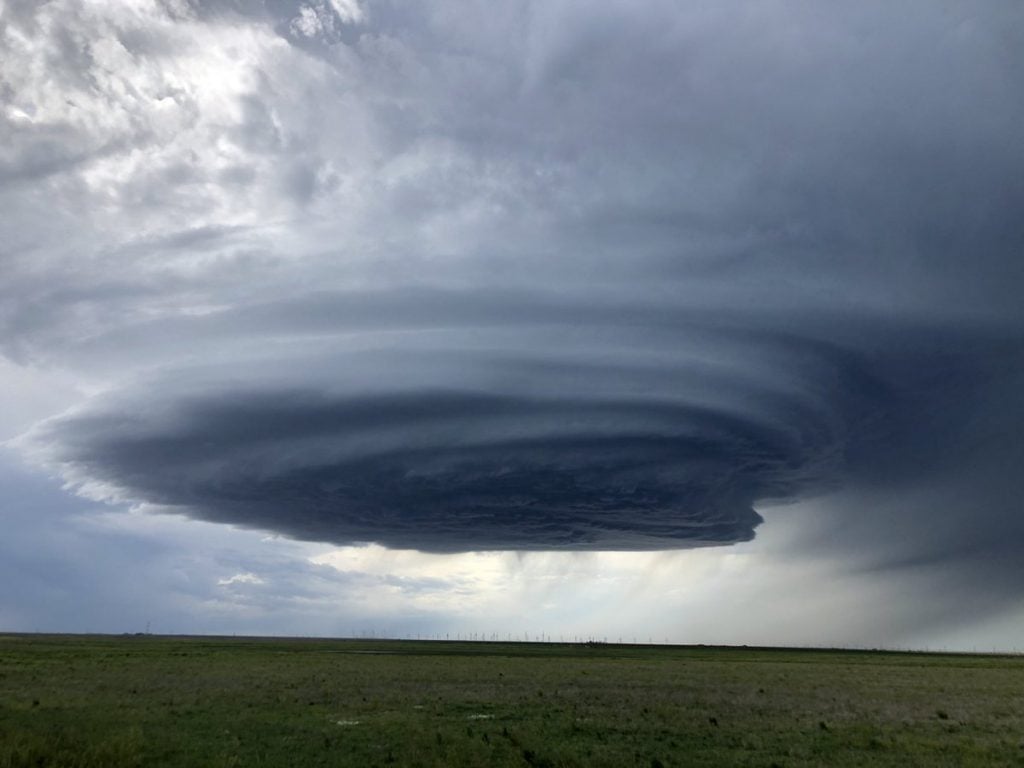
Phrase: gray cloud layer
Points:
(654, 433)
(547, 276)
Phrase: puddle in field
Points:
(347, 722)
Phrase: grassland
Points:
(128, 701)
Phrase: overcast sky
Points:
(698, 322)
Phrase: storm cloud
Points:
(546, 276)
(567, 428)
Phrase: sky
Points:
(659, 321)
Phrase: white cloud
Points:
(318, 18)
(349, 11)
(308, 23)
(240, 578)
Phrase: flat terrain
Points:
(143, 700)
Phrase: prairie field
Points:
(202, 701)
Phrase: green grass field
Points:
(123, 701)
